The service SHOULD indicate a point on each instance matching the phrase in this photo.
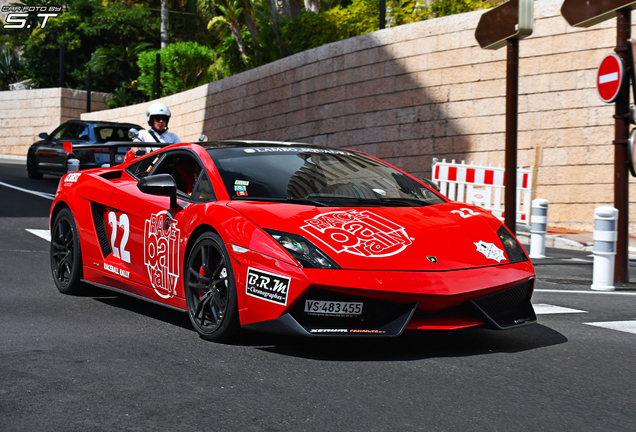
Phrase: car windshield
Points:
(105, 134)
(316, 176)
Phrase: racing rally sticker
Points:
(72, 177)
(161, 253)
(358, 233)
(490, 251)
(267, 286)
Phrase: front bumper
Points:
(496, 297)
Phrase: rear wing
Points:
(116, 149)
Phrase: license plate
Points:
(334, 308)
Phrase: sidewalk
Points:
(13, 159)
(561, 238)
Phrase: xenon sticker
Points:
(267, 286)
(359, 233)
(161, 253)
(490, 251)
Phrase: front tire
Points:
(32, 167)
(66, 255)
(210, 290)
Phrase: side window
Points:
(184, 168)
(203, 190)
(70, 132)
(57, 133)
(83, 133)
(141, 168)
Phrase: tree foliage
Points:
(184, 65)
(85, 27)
(115, 39)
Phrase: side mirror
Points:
(203, 137)
(160, 185)
(43, 135)
(133, 134)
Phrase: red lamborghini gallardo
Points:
(287, 238)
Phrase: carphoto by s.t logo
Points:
(161, 253)
(19, 17)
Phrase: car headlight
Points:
(513, 249)
(303, 251)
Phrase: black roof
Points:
(104, 123)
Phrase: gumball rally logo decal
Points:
(358, 233)
(161, 253)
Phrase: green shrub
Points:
(184, 66)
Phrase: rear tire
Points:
(32, 168)
(210, 290)
(66, 255)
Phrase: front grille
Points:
(510, 307)
(100, 229)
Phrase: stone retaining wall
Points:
(24, 114)
(411, 93)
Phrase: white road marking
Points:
(40, 194)
(45, 234)
(624, 326)
(586, 292)
(608, 78)
(544, 309)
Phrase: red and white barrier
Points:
(483, 186)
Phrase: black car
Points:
(50, 155)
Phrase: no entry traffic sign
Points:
(609, 77)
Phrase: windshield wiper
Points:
(378, 202)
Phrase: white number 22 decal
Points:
(462, 210)
(125, 224)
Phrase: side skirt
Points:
(121, 291)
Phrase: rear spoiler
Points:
(117, 148)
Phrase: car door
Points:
(150, 227)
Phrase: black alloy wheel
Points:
(66, 256)
(32, 168)
(210, 289)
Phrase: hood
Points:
(440, 237)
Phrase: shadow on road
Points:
(413, 345)
(416, 345)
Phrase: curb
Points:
(13, 159)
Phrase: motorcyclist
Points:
(158, 117)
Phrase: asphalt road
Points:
(105, 362)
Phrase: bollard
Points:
(539, 227)
(604, 248)
(73, 165)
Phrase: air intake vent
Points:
(508, 308)
(100, 229)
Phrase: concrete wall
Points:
(425, 90)
(26, 113)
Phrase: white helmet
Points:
(157, 109)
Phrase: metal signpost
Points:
(505, 25)
(586, 13)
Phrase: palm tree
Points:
(164, 23)
(121, 58)
(10, 67)
(231, 10)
